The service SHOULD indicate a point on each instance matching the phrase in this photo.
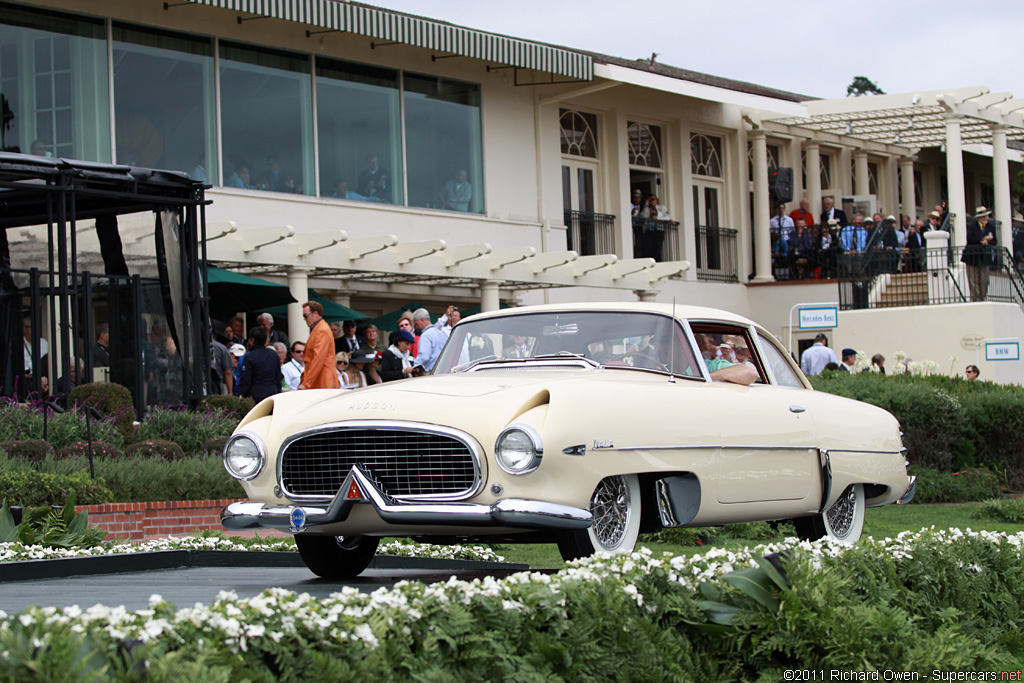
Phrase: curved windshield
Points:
(615, 339)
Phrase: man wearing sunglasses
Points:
(320, 372)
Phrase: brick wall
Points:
(138, 521)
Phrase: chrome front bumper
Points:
(518, 513)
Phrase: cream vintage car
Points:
(579, 424)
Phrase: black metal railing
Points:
(717, 259)
(655, 239)
(590, 233)
(813, 261)
(926, 276)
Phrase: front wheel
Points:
(615, 506)
(844, 521)
(336, 557)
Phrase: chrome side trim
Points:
(909, 494)
(826, 480)
(689, 447)
(413, 427)
(861, 450)
(511, 512)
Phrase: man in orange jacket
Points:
(320, 372)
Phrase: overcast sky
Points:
(803, 46)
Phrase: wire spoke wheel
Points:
(610, 507)
(842, 521)
(615, 508)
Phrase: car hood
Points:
(441, 399)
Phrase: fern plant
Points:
(50, 527)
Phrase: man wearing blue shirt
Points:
(854, 237)
(432, 339)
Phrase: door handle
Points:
(796, 409)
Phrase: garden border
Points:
(121, 563)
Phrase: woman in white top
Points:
(348, 375)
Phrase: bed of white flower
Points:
(14, 552)
(627, 617)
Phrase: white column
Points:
(761, 228)
(813, 189)
(298, 285)
(648, 295)
(342, 297)
(860, 172)
(489, 300)
(955, 179)
(909, 207)
(1001, 180)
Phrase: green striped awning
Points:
(426, 33)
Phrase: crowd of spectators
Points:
(339, 354)
(833, 245)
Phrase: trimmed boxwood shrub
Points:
(27, 487)
(111, 400)
(949, 424)
(155, 449)
(80, 449)
(188, 428)
(215, 446)
(234, 406)
(32, 450)
(955, 487)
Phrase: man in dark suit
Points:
(977, 255)
(832, 212)
(260, 376)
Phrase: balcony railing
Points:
(654, 239)
(717, 259)
(590, 233)
(923, 277)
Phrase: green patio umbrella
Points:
(231, 292)
(389, 321)
(332, 311)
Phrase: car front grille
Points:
(402, 462)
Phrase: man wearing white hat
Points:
(977, 255)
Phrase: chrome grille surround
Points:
(404, 473)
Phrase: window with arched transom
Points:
(644, 142)
(706, 155)
(579, 133)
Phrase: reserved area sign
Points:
(819, 318)
(1007, 350)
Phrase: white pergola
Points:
(379, 262)
(900, 125)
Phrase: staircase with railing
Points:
(881, 277)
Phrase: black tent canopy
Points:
(58, 193)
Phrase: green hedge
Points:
(28, 487)
(949, 424)
(189, 429)
(137, 480)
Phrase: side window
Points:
(725, 345)
(785, 373)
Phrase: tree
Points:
(862, 85)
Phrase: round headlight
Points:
(243, 457)
(518, 450)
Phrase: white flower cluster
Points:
(363, 619)
(14, 552)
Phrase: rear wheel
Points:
(615, 506)
(844, 521)
(336, 557)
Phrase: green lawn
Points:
(879, 522)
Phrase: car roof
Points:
(701, 313)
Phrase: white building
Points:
(505, 168)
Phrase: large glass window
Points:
(266, 119)
(163, 101)
(443, 144)
(53, 85)
(359, 132)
